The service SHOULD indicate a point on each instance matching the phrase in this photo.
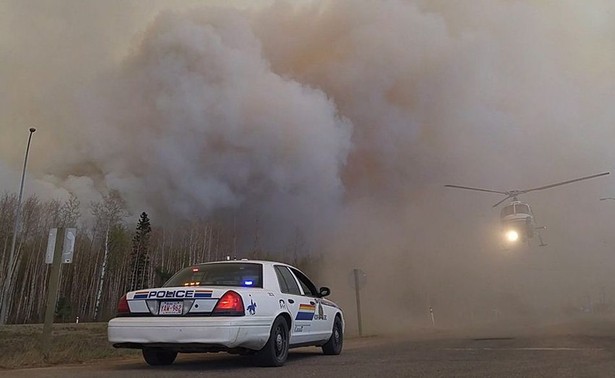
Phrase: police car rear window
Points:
(219, 274)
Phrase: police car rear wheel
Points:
(275, 352)
(158, 356)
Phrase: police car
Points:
(261, 308)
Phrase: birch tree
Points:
(24, 235)
(8, 208)
(69, 212)
(101, 269)
(109, 213)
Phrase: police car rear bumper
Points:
(200, 333)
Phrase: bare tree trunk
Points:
(89, 266)
(210, 229)
(101, 280)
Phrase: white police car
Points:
(261, 308)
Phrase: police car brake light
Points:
(230, 304)
(122, 306)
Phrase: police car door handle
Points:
(312, 303)
(291, 301)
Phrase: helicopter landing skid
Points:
(542, 243)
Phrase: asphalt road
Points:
(566, 353)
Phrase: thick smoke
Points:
(339, 116)
(197, 121)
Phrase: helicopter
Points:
(516, 218)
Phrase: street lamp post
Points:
(11, 268)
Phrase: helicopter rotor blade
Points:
(477, 189)
(565, 182)
(497, 204)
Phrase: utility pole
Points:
(357, 284)
(4, 305)
(52, 293)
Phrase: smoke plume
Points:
(342, 119)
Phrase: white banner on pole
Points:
(51, 244)
(69, 245)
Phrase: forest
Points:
(110, 256)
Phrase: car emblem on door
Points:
(252, 307)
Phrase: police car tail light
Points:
(230, 304)
(122, 306)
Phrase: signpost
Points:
(59, 250)
(358, 282)
(433, 319)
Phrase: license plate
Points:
(171, 308)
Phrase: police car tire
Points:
(334, 345)
(275, 352)
(157, 356)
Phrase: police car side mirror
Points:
(324, 291)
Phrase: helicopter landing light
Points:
(512, 236)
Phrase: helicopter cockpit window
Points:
(507, 210)
(522, 208)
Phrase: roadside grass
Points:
(20, 345)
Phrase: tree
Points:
(162, 276)
(63, 309)
(139, 258)
(108, 214)
(27, 219)
(8, 210)
(69, 212)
